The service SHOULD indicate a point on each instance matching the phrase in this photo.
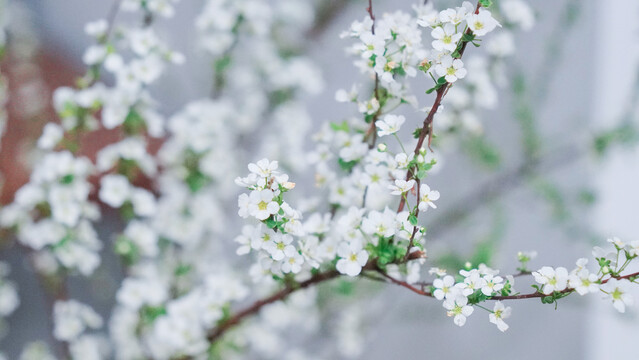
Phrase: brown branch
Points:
(236, 319)
(371, 129)
(253, 309)
(427, 127)
(566, 291)
(258, 305)
(404, 284)
(509, 297)
(113, 13)
(369, 9)
(324, 17)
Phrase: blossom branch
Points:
(427, 127)
(258, 305)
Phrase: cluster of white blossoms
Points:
(483, 73)
(475, 285)
(72, 320)
(608, 280)
(196, 171)
(52, 213)
(179, 294)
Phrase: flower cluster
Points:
(72, 320)
(485, 72)
(476, 285)
(52, 213)
(9, 300)
(179, 295)
(609, 279)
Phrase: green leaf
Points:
(148, 314)
(417, 132)
(486, 3)
(412, 219)
(270, 222)
(343, 126)
(477, 297)
(126, 211)
(482, 151)
(134, 124)
(67, 179)
(347, 165)
(183, 269)
(468, 37)
(345, 288)
(196, 180)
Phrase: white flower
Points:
(71, 319)
(427, 197)
(583, 282)
(617, 242)
(617, 290)
(114, 190)
(144, 237)
(96, 28)
(518, 12)
(390, 124)
(369, 107)
(136, 292)
(263, 168)
(261, 204)
(439, 272)
(346, 96)
(353, 258)
(292, 263)
(501, 45)
(451, 69)
(243, 202)
(401, 186)
(445, 38)
(9, 299)
(279, 247)
(372, 45)
(381, 224)
(492, 284)
(500, 312)
(51, 135)
(457, 15)
(458, 308)
(482, 23)
(551, 279)
(472, 282)
(633, 248)
(403, 159)
(426, 15)
(143, 202)
(444, 288)
(94, 54)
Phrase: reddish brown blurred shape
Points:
(38, 80)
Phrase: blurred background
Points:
(555, 169)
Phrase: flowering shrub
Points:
(182, 296)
